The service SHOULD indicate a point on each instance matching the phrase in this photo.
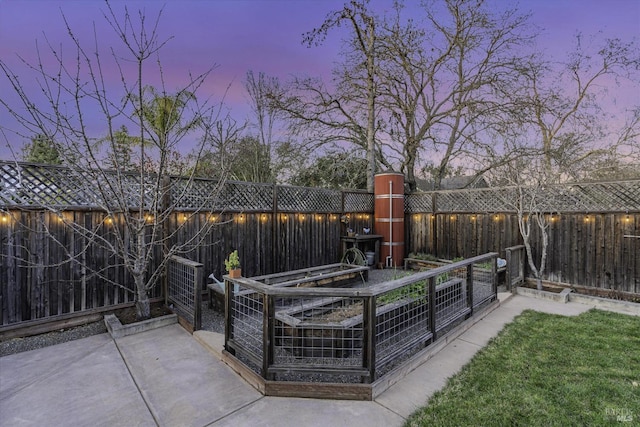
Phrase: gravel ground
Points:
(212, 320)
(18, 345)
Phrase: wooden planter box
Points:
(325, 275)
(343, 338)
(338, 338)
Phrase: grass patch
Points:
(547, 370)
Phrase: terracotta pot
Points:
(234, 274)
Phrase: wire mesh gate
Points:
(184, 284)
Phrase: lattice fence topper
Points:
(29, 185)
(620, 196)
(303, 199)
(57, 187)
(358, 201)
(418, 202)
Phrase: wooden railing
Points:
(344, 336)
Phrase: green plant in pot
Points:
(232, 264)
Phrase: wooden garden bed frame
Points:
(260, 303)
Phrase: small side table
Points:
(363, 242)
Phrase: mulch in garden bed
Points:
(128, 315)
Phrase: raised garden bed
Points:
(123, 323)
(602, 298)
(427, 264)
(333, 329)
(334, 275)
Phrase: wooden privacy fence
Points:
(584, 249)
(49, 270)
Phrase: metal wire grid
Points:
(182, 278)
(180, 282)
(247, 318)
(483, 289)
(402, 322)
(319, 332)
(451, 297)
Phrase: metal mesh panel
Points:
(483, 291)
(183, 289)
(319, 332)
(451, 297)
(358, 202)
(246, 311)
(402, 322)
(302, 199)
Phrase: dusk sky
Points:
(263, 36)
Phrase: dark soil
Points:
(554, 289)
(608, 293)
(128, 315)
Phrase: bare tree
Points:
(339, 114)
(553, 131)
(140, 203)
(560, 104)
(436, 80)
(410, 91)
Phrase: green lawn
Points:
(545, 370)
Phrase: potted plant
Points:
(232, 264)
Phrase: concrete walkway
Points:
(167, 377)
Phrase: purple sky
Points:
(263, 35)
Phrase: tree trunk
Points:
(143, 305)
(371, 108)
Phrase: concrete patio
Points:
(167, 377)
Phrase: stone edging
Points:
(567, 296)
(552, 296)
(118, 330)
